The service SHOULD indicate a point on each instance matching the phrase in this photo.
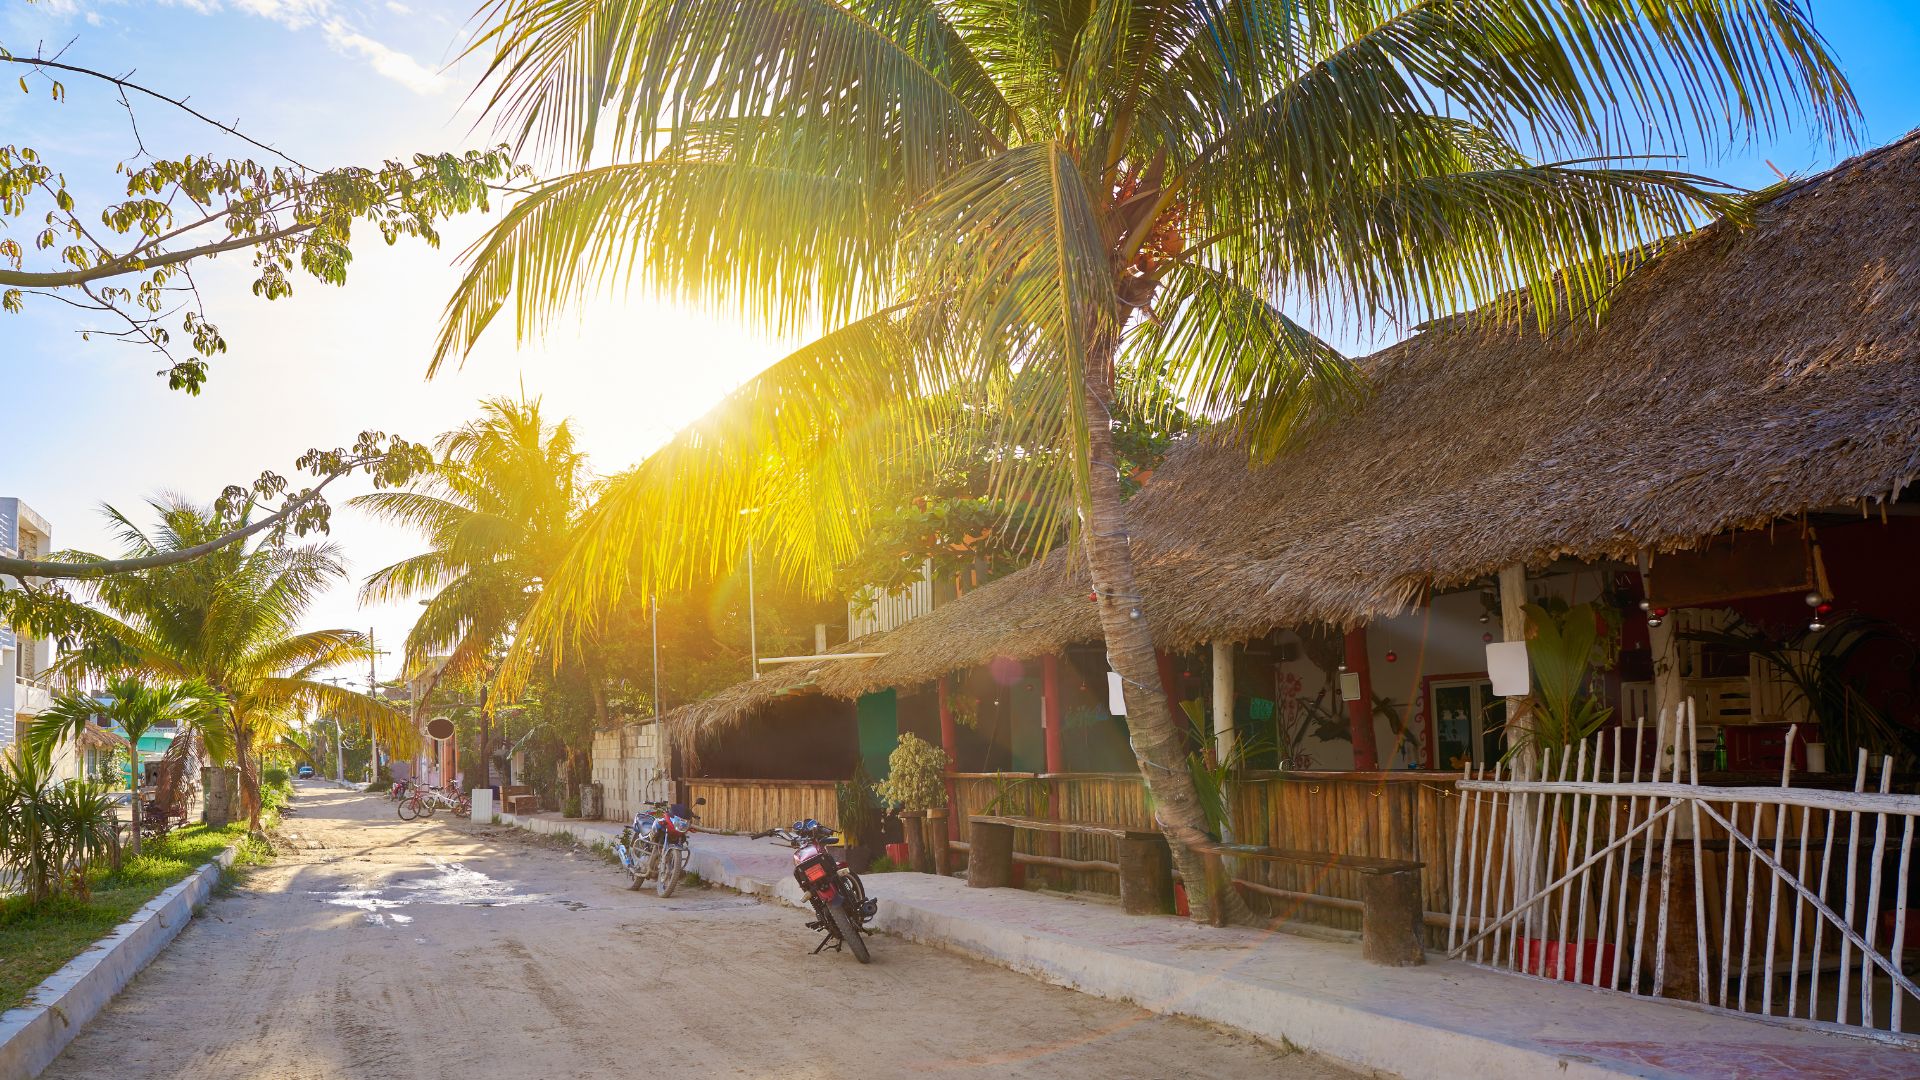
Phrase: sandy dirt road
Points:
(430, 950)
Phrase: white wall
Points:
(1441, 639)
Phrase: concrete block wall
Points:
(629, 763)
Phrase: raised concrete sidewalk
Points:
(1446, 1019)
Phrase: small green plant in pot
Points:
(915, 784)
(1568, 646)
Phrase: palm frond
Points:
(723, 231)
(1228, 354)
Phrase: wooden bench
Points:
(1392, 914)
(519, 800)
(1145, 867)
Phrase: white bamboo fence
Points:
(1783, 902)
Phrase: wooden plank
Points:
(1364, 864)
(1044, 825)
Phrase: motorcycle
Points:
(654, 845)
(841, 906)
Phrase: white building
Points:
(25, 691)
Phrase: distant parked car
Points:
(305, 772)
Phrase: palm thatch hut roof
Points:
(1744, 375)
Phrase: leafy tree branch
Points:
(130, 262)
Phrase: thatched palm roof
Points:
(1742, 376)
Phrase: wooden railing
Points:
(1386, 815)
(752, 805)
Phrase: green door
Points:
(1028, 737)
(879, 723)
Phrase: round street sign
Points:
(440, 728)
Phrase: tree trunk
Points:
(249, 776)
(133, 800)
(1159, 746)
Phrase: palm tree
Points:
(230, 620)
(497, 510)
(1013, 198)
(135, 707)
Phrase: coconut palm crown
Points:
(230, 620)
(989, 205)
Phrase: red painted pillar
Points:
(1050, 712)
(1166, 688)
(1366, 756)
(950, 742)
(1056, 757)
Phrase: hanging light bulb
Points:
(1392, 656)
(1820, 613)
(1655, 616)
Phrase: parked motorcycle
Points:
(654, 845)
(841, 906)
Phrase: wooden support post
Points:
(1146, 876)
(1051, 723)
(1391, 919)
(1165, 663)
(913, 826)
(938, 822)
(989, 855)
(1366, 756)
(950, 742)
(1223, 700)
(1681, 957)
(1513, 627)
(1050, 713)
(1669, 691)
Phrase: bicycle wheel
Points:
(673, 863)
(428, 807)
(848, 929)
(408, 809)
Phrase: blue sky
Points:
(356, 81)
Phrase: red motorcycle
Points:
(654, 845)
(841, 906)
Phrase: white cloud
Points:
(392, 63)
(292, 14)
(398, 9)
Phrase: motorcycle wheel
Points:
(408, 810)
(848, 928)
(673, 863)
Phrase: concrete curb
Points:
(33, 1034)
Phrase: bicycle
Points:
(425, 802)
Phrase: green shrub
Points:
(917, 776)
(274, 777)
(50, 832)
(570, 808)
(883, 865)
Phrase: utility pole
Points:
(656, 656)
(339, 744)
(373, 691)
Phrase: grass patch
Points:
(36, 943)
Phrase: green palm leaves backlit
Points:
(975, 198)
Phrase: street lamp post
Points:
(753, 630)
(339, 743)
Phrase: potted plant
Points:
(860, 828)
(915, 787)
(1568, 646)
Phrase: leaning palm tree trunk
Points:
(1159, 745)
